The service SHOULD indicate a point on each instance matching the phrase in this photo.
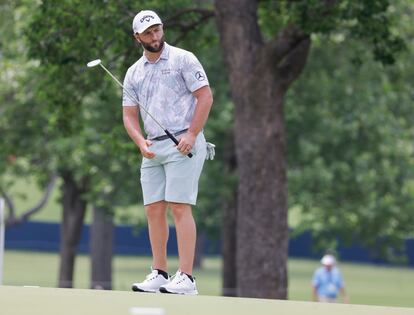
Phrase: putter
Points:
(97, 62)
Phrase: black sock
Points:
(190, 277)
(162, 273)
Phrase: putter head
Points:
(93, 63)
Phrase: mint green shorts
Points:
(170, 175)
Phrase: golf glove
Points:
(210, 151)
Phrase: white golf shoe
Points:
(152, 283)
(180, 284)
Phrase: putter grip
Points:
(174, 139)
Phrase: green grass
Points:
(41, 269)
(366, 284)
(48, 301)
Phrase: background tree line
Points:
(332, 144)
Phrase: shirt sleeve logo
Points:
(200, 76)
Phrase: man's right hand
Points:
(144, 148)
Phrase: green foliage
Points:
(349, 120)
(370, 21)
(84, 117)
(77, 122)
(349, 125)
(17, 104)
(351, 167)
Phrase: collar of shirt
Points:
(164, 54)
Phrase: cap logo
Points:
(146, 18)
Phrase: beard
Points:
(147, 46)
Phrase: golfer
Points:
(327, 281)
(171, 84)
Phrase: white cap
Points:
(145, 19)
(328, 260)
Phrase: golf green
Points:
(53, 301)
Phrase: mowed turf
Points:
(366, 284)
(48, 301)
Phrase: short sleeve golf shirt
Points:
(164, 88)
(327, 283)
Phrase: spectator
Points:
(327, 281)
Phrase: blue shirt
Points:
(165, 89)
(327, 283)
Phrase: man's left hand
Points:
(186, 143)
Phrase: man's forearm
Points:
(204, 103)
(135, 134)
(131, 124)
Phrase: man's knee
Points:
(180, 210)
(156, 210)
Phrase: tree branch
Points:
(175, 21)
(9, 202)
(14, 220)
(291, 36)
(204, 13)
(294, 62)
(128, 12)
(287, 39)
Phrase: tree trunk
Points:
(259, 75)
(101, 245)
(229, 248)
(262, 231)
(74, 208)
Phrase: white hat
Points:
(328, 260)
(145, 19)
